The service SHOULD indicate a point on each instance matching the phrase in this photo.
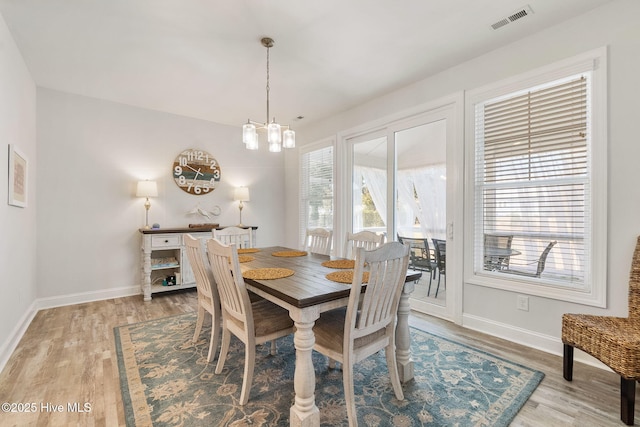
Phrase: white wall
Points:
(92, 154)
(17, 225)
(614, 25)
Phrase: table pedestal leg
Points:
(304, 412)
(403, 338)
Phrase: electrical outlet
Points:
(522, 303)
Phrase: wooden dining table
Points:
(306, 294)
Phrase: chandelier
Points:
(277, 135)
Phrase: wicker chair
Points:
(615, 341)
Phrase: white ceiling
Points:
(203, 58)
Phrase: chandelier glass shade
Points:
(277, 135)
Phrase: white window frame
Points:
(594, 290)
(303, 214)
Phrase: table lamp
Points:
(241, 194)
(147, 189)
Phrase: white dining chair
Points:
(208, 299)
(242, 237)
(364, 239)
(318, 241)
(368, 323)
(253, 323)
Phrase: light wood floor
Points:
(68, 356)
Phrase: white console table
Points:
(163, 255)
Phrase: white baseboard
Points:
(546, 343)
(83, 297)
(16, 335)
(11, 343)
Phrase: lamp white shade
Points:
(147, 189)
(241, 194)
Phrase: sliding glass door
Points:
(401, 187)
(421, 204)
(369, 184)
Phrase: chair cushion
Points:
(269, 317)
(329, 331)
(615, 341)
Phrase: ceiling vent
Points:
(518, 14)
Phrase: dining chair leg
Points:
(215, 337)
(567, 362)
(224, 349)
(273, 348)
(332, 363)
(392, 366)
(627, 400)
(199, 322)
(249, 365)
(349, 394)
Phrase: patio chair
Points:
(540, 262)
(440, 247)
(497, 241)
(421, 257)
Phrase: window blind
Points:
(316, 190)
(532, 176)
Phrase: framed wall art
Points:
(17, 177)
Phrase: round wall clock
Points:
(196, 171)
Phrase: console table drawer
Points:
(166, 241)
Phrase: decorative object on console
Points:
(196, 172)
(241, 194)
(147, 189)
(198, 210)
(275, 138)
(207, 226)
(17, 178)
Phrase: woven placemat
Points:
(346, 276)
(248, 250)
(267, 273)
(245, 258)
(289, 253)
(340, 263)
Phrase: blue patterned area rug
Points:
(166, 381)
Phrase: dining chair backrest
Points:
(377, 307)
(234, 297)
(242, 237)
(364, 239)
(318, 241)
(194, 249)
